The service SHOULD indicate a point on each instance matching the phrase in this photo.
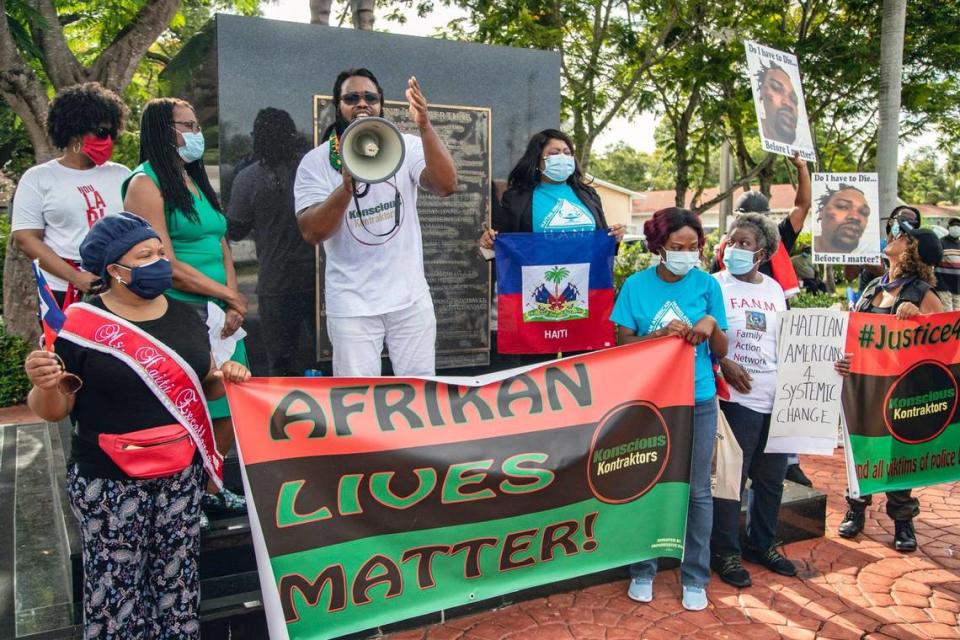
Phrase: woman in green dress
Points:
(171, 190)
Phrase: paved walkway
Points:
(846, 589)
(19, 414)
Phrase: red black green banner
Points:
(378, 499)
(900, 402)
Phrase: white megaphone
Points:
(372, 149)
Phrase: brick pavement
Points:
(846, 589)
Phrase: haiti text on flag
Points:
(554, 291)
(374, 500)
(900, 402)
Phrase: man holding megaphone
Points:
(357, 194)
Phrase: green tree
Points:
(605, 47)
(924, 179)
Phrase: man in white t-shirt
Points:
(375, 289)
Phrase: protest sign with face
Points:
(778, 98)
(846, 221)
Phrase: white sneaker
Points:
(641, 590)
(694, 598)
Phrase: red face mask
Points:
(97, 149)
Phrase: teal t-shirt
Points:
(647, 303)
(556, 207)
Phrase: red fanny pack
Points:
(157, 452)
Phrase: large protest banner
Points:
(806, 409)
(373, 500)
(900, 402)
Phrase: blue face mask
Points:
(681, 263)
(883, 244)
(193, 146)
(738, 261)
(559, 167)
(150, 280)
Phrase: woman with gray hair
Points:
(752, 301)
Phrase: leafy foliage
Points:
(14, 384)
(926, 179)
(805, 300)
(631, 258)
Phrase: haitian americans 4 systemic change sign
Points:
(373, 500)
(554, 291)
(900, 402)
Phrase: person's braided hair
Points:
(824, 200)
(158, 146)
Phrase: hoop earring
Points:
(77, 146)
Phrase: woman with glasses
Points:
(171, 190)
(135, 474)
(905, 290)
(546, 192)
(58, 201)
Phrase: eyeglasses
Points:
(190, 124)
(105, 132)
(69, 383)
(352, 99)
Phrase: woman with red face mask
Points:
(57, 202)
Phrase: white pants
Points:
(410, 334)
(951, 301)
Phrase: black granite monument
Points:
(485, 103)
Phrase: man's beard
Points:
(340, 125)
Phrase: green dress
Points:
(199, 245)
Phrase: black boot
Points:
(796, 474)
(904, 538)
(852, 524)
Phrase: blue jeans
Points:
(695, 567)
(766, 472)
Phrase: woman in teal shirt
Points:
(546, 192)
(676, 298)
(171, 190)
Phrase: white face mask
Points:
(954, 232)
(680, 263)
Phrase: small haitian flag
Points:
(51, 316)
(555, 291)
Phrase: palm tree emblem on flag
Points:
(563, 300)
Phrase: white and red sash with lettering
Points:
(165, 373)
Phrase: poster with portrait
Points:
(846, 218)
(778, 99)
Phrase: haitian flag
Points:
(51, 316)
(555, 291)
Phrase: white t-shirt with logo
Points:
(753, 325)
(368, 274)
(64, 203)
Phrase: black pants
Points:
(901, 505)
(282, 318)
(766, 472)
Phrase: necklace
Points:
(335, 161)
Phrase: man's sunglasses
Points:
(353, 99)
(105, 132)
